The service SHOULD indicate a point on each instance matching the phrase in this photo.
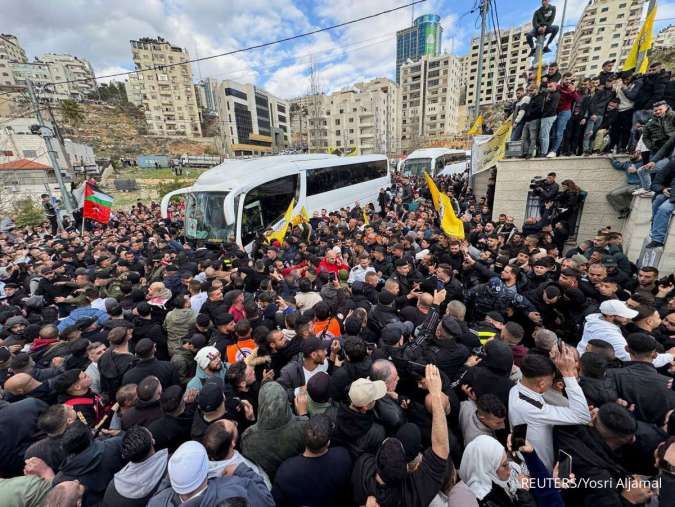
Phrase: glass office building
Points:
(423, 38)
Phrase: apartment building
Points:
(206, 91)
(505, 63)
(10, 52)
(362, 118)
(166, 92)
(605, 31)
(665, 39)
(252, 120)
(77, 71)
(565, 44)
(429, 99)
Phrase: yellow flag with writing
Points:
(450, 224)
(280, 234)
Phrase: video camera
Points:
(537, 183)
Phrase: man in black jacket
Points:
(542, 24)
(597, 458)
(640, 384)
(532, 119)
(663, 205)
(149, 365)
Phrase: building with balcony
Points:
(429, 100)
(251, 121)
(505, 64)
(665, 39)
(605, 31)
(78, 73)
(10, 52)
(163, 86)
(423, 38)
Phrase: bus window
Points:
(440, 164)
(265, 204)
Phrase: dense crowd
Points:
(354, 363)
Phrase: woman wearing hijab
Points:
(492, 479)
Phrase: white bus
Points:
(238, 199)
(432, 160)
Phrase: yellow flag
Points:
(365, 217)
(435, 193)
(477, 127)
(301, 218)
(642, 43)
(354, 151)
(495, 148)
(281, 233)
(450, 224)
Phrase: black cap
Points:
(64, 381)
(318, 387)
(391, 334)
(496, 316)
(203, 320)
(312, 344)
(223, 319)
(198, 340)
(410, 436)
(210, 397)
(451, 326)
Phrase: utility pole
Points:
(59, 137)
(561, 33)
(484, 6)
(47, 135)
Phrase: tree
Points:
(27, 213)
(165, 187)
(71, 112)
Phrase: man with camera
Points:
(546, 189)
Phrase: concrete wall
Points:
(593, 174)
(636, 232)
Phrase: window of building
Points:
(337, 121)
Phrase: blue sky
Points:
(100, 30)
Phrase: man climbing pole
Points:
(542, 25)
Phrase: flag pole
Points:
(84, 194)
(83, 219)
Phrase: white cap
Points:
(618, 308)
(205, 356)
(363, 391)
(188, 467)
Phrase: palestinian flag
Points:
(96, 204)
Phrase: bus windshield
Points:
(416, 166)
(205, 217)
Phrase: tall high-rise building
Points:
(429, 99)
(252, 121)
(423, 38)
(10, 52)
(166, 93)
(505, 62)
(605, 31)
(565, 44)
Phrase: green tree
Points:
(27, 213)
(165, 187)
(71, 112)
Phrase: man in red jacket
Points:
(332, 263)
(568, 96)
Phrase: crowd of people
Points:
(377, 364)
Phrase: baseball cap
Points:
(450, 326)
(312, 344)
(210, 397)
(391, 334)
(363, 391)
(205, 356)
(618, 308)
(410, 436)
(318, 387)
(188, 467)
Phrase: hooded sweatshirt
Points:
(136, 482)
(278, 434)
(216, 467)
(112, 366)
(177, 324)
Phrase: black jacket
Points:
(142, 413)
(357, 432)
(640, 383)
(112, 367)
(170, 431)
(550, 106)
(163, 370)
(148, 328)
(535, 107)
(18, 423)
(48, 450)
(664, 178)
(345, 375)
(94, 468)
(380, 316)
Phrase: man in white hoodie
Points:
(606, 326)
